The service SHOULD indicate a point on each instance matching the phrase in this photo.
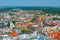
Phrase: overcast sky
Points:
(29, 2)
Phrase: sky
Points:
(29, 2)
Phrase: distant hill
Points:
(51, 10)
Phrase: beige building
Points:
(21, 25)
